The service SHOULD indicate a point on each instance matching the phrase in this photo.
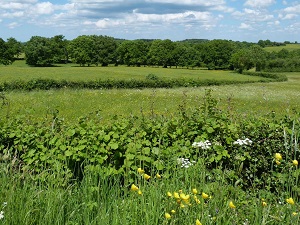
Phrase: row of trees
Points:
(103, 50)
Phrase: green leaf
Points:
(155, 151)
(113, 145)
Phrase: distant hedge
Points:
(47, 84)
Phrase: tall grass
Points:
(245, 99)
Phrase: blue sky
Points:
(247, 20)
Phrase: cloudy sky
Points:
(240, 20)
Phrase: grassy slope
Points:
(287, 47)
(20, 71)
(255, 99)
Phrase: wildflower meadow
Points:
(200, 166)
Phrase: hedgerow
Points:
(69, 150)
(46, 84)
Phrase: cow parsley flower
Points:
(203, 145)
(241, 142)
(185, 163)
(1, 215)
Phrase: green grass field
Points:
(174, 195)
(289, 47)
(20, 71)
(247, 99)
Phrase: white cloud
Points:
(259, 3)
(43, 8)
(293, 9)
(245, 26)
(190, 2)
(289, 16)
(254, 15)
(13, 25)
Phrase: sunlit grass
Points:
(247, 99)
(287, 47)
(20, 71)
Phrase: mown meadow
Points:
(218, 154)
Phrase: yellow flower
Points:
(176, 195)
(264, 204)
(290, 201)
(182, 205)
(140, 192)
(184, 197)
(195, 191)
(294, 213)
(173, 211)
(277, 162)
(158, 176)
(146, 176)
(198, 222)
(134, 188)
(278, 156)
(295, 162)
(140, 171)
(196, 200)
(231, 205)
(167, 215)
(205, 196)
(169, 194)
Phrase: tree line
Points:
(87, 50)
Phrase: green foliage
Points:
(128, 143)
(151, 81)
(42, 51)
(9, 50)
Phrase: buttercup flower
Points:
(173, 211)
(205, 196)
(195, 191)
(196, 200)
(231, 205)
(277, 162)
(158, 176)
(295, 162)
(167, 215)
(146, 176)
(198, 222)
(294, 213)
(140, 171)
(290, 201)
(134, 188)
(278, 156)
(140, 192)
(176, 195)
(185, 198)
(169, 194)
(264, 204)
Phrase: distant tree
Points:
(258, 57)
(133, 52)
(242, 60)
(93, 49)
(42, 51)
(59, 47)
(9, 50)
(160, 53)
(217, 53)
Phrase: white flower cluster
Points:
(185, 163)
(1, 212)
(203, 145)
(246, 141)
